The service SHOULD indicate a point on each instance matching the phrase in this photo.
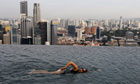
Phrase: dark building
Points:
(14, 35)
(37, 36)
(26, 41)
(0, 27)
(1, 35)
(43, 31)
(98, 33)
(53, 32)
(71, 30)
(24, 8)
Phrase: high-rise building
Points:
(79, 34)
(120, 22)
(26, 30)
(1, 35)
(71, 30)
(6, 38)
(43, 31)
(36, 14)
(87, 30)
(93, 30)
(53, 32)
(24, 8)
(14, 35)
(98, 33)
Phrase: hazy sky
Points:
(94, 9)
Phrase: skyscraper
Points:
(71, 30)
(24, 8)
(87, 30)
(36, 14)
(43, 31)
(121, 22)
(93, 30)
(53, 32)
(14, 35)
(26, 30)
(79, 34)
(98, 33)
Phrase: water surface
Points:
(119, 65)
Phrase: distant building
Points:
(120, 22)
(14, 35)
(43, 31)
(24, 8)
(71, 30)
(26, 30)
(98, 33)
(1, 35)
(129, 35)
(6, 38)
(79, 34)
(53, 32)
(87, 30)
(37, 36)
(130, 39)
(93, 30)
(37, 40)
(36, 14)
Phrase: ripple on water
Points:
(119, 65)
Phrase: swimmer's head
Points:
(83, 70)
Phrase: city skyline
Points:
(97, 9)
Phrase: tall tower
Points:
(121, 22)
(53, 32)
(87, 30)
(98, 33)
(26, 30)
(24, 8)
(36, 14)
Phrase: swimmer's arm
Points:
(71, 63)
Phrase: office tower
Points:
(26, 30)
(14, 35)
(6, 38)
(48, 32)
(93, 30)
(24, 8)
(121, 22)
(53, 32)
(71, 30)
(87, 30)
(79, 34)
(36, 14)
(43, 31)
(62, 24)
(1, 35)
(98, 33)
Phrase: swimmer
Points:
(62, 70)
